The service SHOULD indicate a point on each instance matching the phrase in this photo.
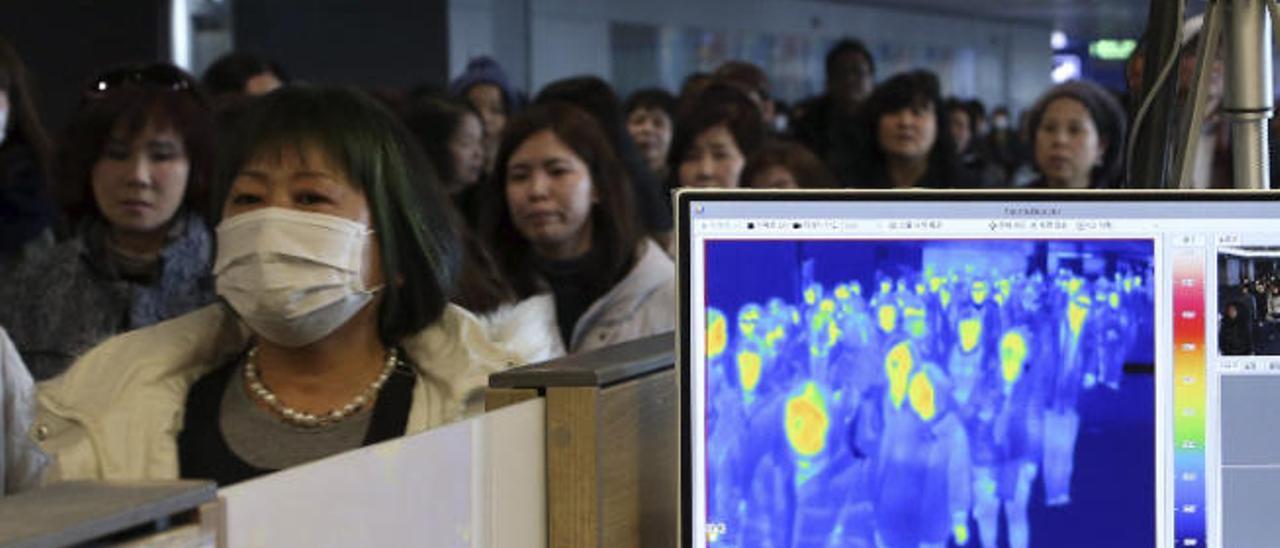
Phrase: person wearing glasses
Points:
(133, 171)
(336, 258)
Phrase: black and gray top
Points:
(575, 284)
(228, 438)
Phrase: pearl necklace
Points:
(309, 420)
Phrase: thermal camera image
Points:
(930, 393)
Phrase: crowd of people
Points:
(192, 265)
(1249, 321)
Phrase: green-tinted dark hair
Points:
(411, 216)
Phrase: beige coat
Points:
(116, 413)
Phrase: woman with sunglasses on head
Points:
(562, 223)
(336, 258)
(27, 214)
(133, 171)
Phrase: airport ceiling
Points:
(1082, 19)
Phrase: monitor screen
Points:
(977, 369)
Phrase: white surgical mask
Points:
(293, 277)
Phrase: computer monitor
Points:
(1015, 368)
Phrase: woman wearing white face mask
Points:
(336, 258)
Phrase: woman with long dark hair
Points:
(597, 98)
(452, 135)
(562, 223)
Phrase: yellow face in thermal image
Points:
(887, 318)
(970, 333)
(897, 367)
(748, 318)
(807, 421)
(750, 367)
(923, 397)
(1013, 355)
(717, 333)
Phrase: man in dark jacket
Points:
(826, 124)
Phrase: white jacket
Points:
(116, 413)
(642, 304)
(20, 459)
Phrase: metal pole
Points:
(1248, 103)
(1152, 148)
(1192, 121)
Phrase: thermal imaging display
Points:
(885, 369)
(928, 393)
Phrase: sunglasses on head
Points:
(156, 76)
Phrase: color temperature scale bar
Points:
(1189, 369)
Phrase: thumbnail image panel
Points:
(1249, 301)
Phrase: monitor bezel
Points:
(684, 197)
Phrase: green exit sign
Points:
(1112, 50)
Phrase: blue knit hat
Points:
(484, 70)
